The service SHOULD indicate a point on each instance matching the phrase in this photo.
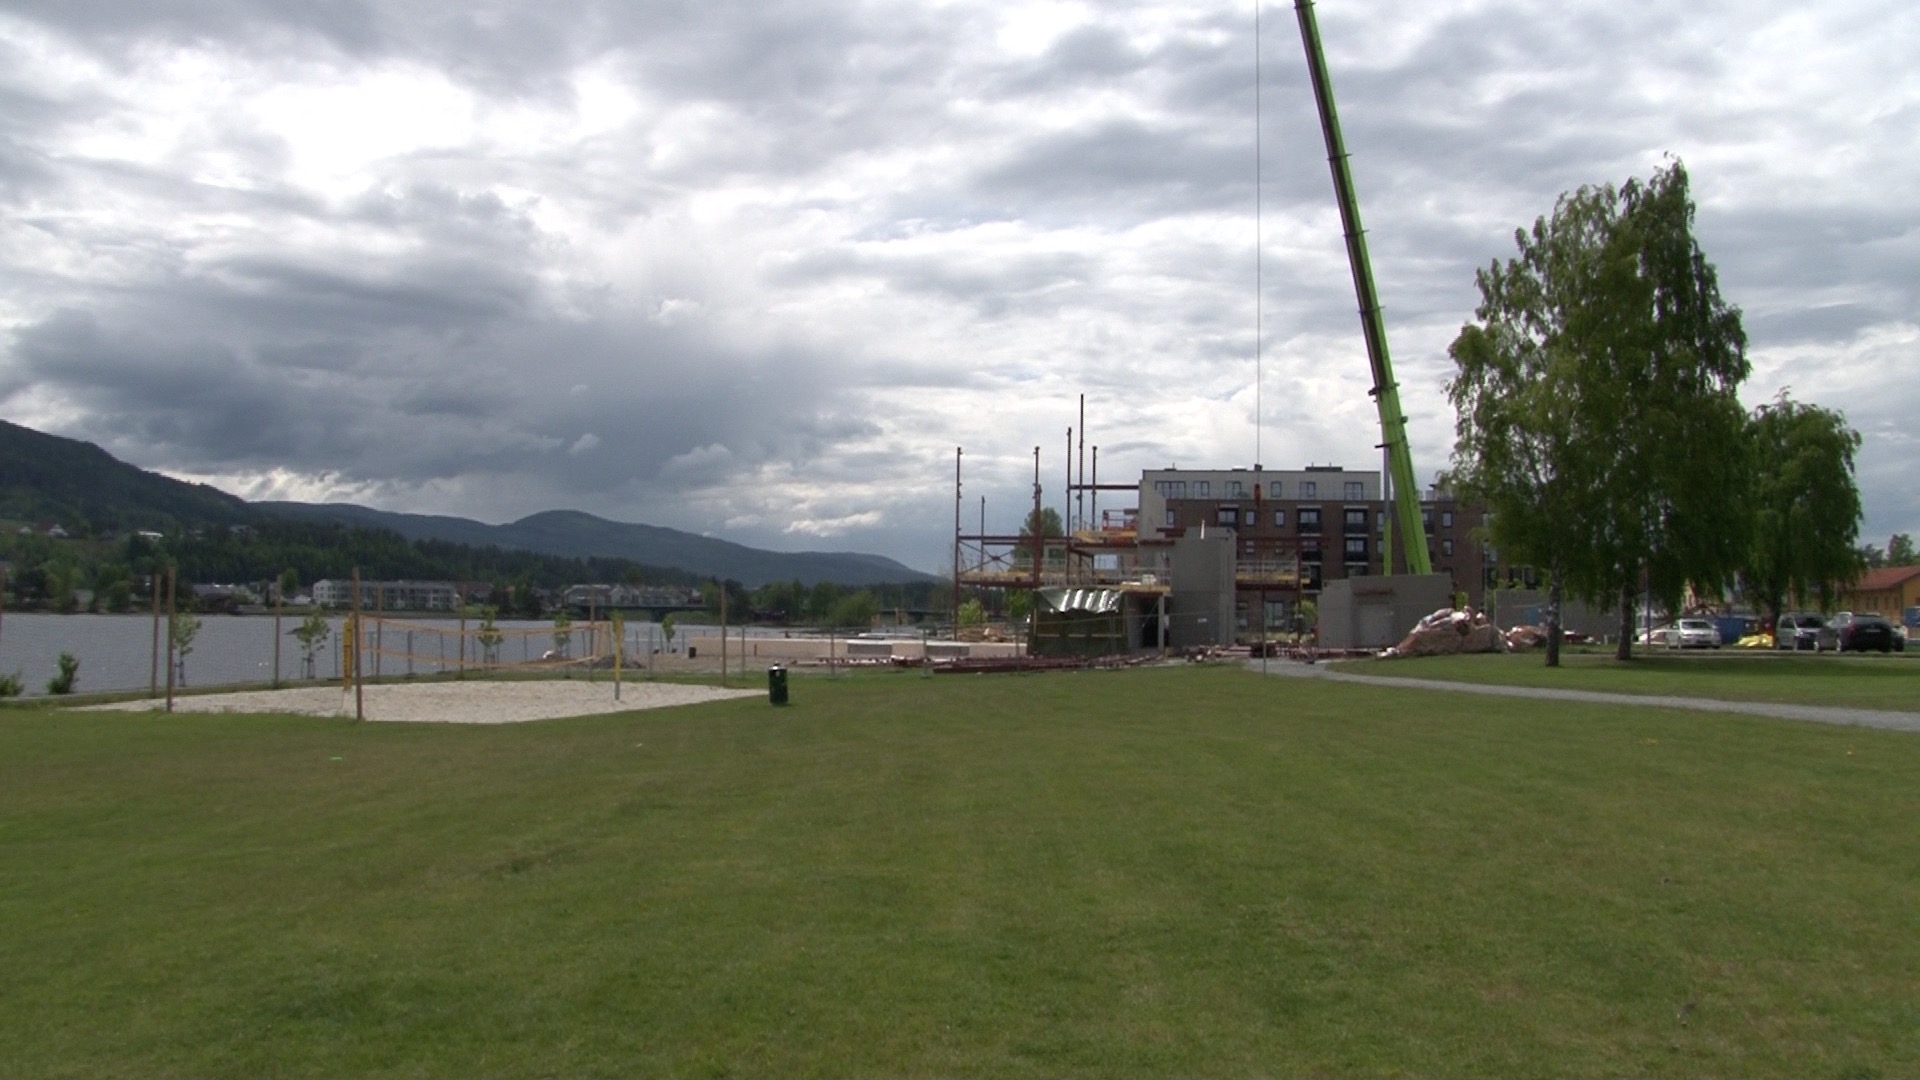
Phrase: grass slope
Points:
(1852, 680)
(1157, 872)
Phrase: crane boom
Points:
(1386, 393)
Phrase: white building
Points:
(388, 595)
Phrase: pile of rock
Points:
(1450, 630)
(1526, 637)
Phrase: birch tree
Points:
(1595, 396)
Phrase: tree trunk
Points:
(1625, 651)
(1553, 617)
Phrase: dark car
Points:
(1859, 631)
(1803, 630)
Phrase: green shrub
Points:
(63, 682)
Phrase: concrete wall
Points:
(1201, 605)
(1375, 612)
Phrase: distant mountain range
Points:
(48, 478)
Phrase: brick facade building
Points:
(1294, 530)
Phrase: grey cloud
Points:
(423, 339)
(1120, 167)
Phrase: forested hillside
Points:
(77, 485)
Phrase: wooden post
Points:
(279, 604)
(461, 671)
(359, 700)
(379, 624)
(1039, 553)
(169, 639)
(619, 646)
(723, 633)
(956, 543)
(153, 676)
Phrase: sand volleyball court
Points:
(471, 701)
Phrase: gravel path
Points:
(1819, 714)
(468, 702)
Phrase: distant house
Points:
(219, 597)
(213, 592)
(630, 597)
(388, 595)
(1893, 591)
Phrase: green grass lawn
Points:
(1172, 872)
(1860, 681)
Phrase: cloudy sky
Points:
(755, 269)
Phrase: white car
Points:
(1693, 634)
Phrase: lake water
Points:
(116, 651)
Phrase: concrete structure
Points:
(1373, 613)
(1272, 540)
(1297, 530)
(1200, 609)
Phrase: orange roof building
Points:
(1890, 590)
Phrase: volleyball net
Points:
(390, 646)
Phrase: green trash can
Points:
(777, 685)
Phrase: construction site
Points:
(1208, 560)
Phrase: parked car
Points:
(1693, 634)
(1859, 631)
(1799, 630)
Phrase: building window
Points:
(1426, 519)
(1172, 517)
(1279, 518)
(1355, 490)
(1202, 489)
(1309, 489)
(1235, 490)
(1274, 489)
(1249, 548)
(1446, 519)
(1309, 519)
(1171, 489)
(1356, 520)
(1227, 515)
(1356, 549)
(1446, 548)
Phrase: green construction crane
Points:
(1386, 393)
